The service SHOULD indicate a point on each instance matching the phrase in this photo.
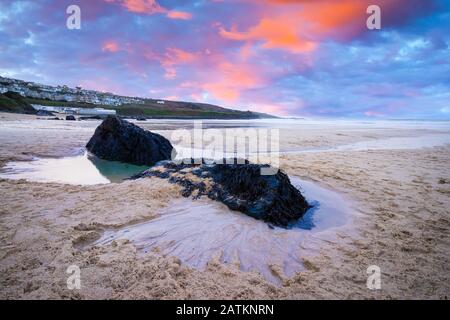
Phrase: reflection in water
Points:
(115, 171)
(79, 170)
(197, 231)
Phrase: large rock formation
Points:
(241, 187)
(119, 140)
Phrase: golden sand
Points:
(402, 197)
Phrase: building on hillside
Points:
(76, 111)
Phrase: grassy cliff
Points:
(14, 102)
(170, 109)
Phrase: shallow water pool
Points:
(196, 231)
(83, 169)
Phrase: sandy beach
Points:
(399, 194)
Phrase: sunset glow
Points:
(298, 58)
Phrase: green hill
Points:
(14, 102)
(170, 109)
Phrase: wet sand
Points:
(401, 196)
(198, 231)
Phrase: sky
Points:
(307, 58)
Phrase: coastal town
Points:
(64, 93)
(84, 102)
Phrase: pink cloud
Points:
(172, 58)
(196, 97)
(229, 79)
(175, 56)
(278, 33)
(151, 7)
(179, 15)
(299, 26)
(171, 73)
(270, 108)
(110, 46)
(143, 6)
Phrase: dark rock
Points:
(241, 187)
(141, 119)
(118, 140)
(96, 117)
(44, 113)
(70, 118)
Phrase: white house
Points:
(80, 111)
